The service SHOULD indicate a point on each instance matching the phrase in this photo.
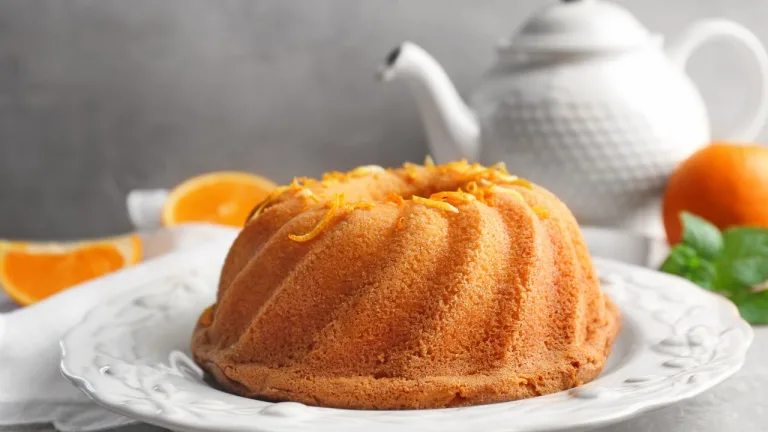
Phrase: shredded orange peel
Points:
(337, 202)
(395, 198)
(307, 193)
(482, 184)
(272, 195)
(508, 191)
(476, 172)
(334, 177)
(540, 211)
(435, 204)
(411, 172)
(362, 205)
(300, 183)
(457, 197)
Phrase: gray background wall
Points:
(98, 97)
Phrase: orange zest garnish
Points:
(501, 167)
(395, 198)
(435, 204)
(484, 183)
(456, 166)
(481, 183)
(505, 179)
(334, 175)
(540, 211)
(306, 181)
(475, 169)
(296, 185)
(457, 197)
(338, 201)
(362, 204)
(476, 191)
(307, 193)
(522, 182)
(411, 172)
(273, 195)
(300, 183)
(508, 191)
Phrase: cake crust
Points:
(421, 287)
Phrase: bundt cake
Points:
(419, 287)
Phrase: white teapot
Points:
(585, 101)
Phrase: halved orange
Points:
(225, 198)
(32, 271)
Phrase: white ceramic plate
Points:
(130, 355)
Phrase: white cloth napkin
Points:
(32, 390)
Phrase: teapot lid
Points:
(578, 26)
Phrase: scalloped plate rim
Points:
(611, 416)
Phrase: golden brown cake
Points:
(420, 287)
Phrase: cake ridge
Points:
(300, 266)
(426, 286)
(358, 304)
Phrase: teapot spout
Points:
(452, 128)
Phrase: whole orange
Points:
(726, 184)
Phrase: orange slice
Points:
(30, 271)
(225, 198)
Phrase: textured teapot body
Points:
(603, 132)
(585, 101)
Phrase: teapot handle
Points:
(706, 30)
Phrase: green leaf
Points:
(745, 242)
(703, 274)
(750, 271)
(678, 259)
(743, 262)
(731, 263)
(701, 235)
(685, 261)
(754, 307)
(726, 282)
